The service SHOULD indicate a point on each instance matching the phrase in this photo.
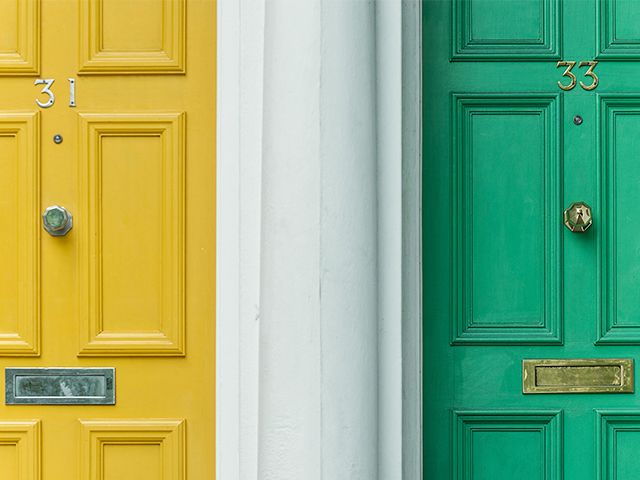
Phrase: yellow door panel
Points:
(133, 449)
(124, 36)
(19, 37)
(132, 284)
(132, 242)
(20, 449)
(19, 244)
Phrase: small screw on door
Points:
(577, 120)
(57, 139)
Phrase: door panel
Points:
(20, 449)
(619, 258)
(135, 450)
(124, 37)
(482, 30)
(529, 445)
(507, 186)
(505, 152)
(19, 197)
(132, 285)
(132, 257)
(19, 37)
(619, 29)
(618, 443)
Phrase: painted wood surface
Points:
(504, 280)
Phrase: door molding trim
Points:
(399, 136)
(239, 83)
(412, 364)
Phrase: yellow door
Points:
(130, 287)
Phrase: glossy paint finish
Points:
(503, 279)
(132, 284)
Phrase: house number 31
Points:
(50, 97)
(572, 78)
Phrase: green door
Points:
(506, 151)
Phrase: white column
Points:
(318, 250)
(389, 137)
(290, 332)
(348, 261)
(318, 410)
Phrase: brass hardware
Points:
(572, 78)
(567, 73)
(582, 375)
(577, 217)
(592, 64)
(57, 221)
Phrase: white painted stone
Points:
(290, 342)
(348, 256)
(311, 312)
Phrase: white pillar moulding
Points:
(318, 349)
(239, 181)
(349, 242)
(411, 53)
(389, 141)
(312, 318)
(290, 341)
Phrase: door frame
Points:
(412, 208)
(240, 54)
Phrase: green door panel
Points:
(506, 184)
(619, 253)
(503, 279)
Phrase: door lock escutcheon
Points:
(57, 221)
(577, 217)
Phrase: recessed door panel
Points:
(506, 187)
(619, 30)
(526, 445)
(506, 30)
(133, 449)
(133, 251)
(124, 37)
(19, 244)
(20, 455)
(19, 37)
(619, 258)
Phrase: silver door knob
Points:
(57, 221)
(577, 217)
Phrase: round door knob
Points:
(57, 221)
(577, 217)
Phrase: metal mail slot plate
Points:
(582, 375)
(60, 386)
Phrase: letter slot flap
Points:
(60, 386)
(583, 375)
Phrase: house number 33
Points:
(572, 78)
(49, 97)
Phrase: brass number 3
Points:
(567, 73)
(589, 73)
